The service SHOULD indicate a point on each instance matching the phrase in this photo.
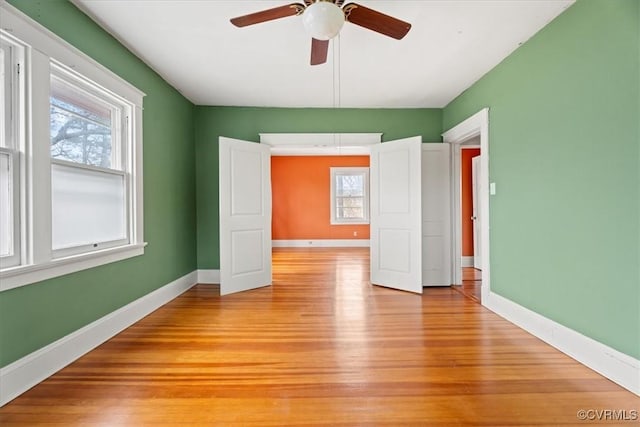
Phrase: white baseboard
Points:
(24, 373)
(467, 261)
(321, 243)
(616, 366)
(209, 277)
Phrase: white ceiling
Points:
(192, 45)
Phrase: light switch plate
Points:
(492, 188)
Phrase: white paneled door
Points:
(477, 231)
(245, 215)
(436, 215)
(396, 217)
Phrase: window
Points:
(88, 192)
(70, 158)
(10, 88)
(349, 195)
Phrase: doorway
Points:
(469, 204)
(471, 130)
(245, 215)
(471, 236)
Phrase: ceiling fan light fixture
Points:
(323, 20)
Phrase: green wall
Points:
(35, 315)
(246, 123)
(565, 157)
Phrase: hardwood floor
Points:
(471, 283)
(320, 347)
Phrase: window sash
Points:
(11, 202)
(118, 213)
(68, 87)
(9, 144)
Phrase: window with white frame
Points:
(70, 158)
(349, 195)
(88, 180)
(10, 106)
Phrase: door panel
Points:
(245, 215)
(477, 235)
(396, 249)
(436, 215)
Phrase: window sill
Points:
(15, 277)
(350, 223)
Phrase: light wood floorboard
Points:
(320, 347)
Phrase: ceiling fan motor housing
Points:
(323, 20)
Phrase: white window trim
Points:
(16, 160)
(43, 47)
(347, 170)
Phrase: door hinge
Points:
(18, 66)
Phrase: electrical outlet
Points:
(355, 234)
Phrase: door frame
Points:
(476, 125)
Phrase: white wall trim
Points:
(209, 277)
(36, 35)
(321, 243)
(476, 125)
(320, 144)
(24, 373)
(614, 365)
(467, 261)
(27, 274)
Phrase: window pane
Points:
(88, 207)
(80, 126)
(6, 206)
(350, 208)
(349, 185)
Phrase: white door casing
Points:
(245, 215)
(476, 125)
(396, 217)
(436, 215)
(477, 231)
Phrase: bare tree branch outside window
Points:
(79, 135)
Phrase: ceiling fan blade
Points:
(319, 49)
(269, 14)
(376, 21)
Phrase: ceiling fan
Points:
(323, 20)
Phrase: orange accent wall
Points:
(467, 199)
(301, 198)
